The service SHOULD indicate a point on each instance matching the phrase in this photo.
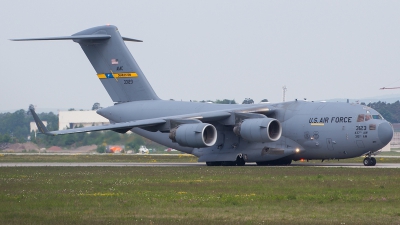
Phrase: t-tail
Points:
(115, 66)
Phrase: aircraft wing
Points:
(125, 126)
(116, 127)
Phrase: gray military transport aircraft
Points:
(268, 134)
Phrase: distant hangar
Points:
(72, 119)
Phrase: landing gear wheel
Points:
(240, 163)
(276, 162)
(228, 163)
(240, 160)
(213, 163)
(373, 161)
(367, 161)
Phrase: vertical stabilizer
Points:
(115, 66)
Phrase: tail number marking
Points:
(361, 127)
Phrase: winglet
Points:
(42, 128)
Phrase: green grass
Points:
(391, 153)
(199, 195)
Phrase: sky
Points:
(204, 50)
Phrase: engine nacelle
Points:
(259, 129)
(196, 135)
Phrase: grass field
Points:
(199, 195)
(144, 158)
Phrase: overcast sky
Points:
(200, 50)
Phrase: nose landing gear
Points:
(368, 160)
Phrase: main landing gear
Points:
(368, 160)
(239, 162)
(276, 162)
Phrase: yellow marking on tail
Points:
(118, 75)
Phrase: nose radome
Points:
(385, 133)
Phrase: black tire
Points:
(277, 162)
(240, 161)
(228, 163)
(217, 163)
(367, 161)
(373, 161)
(213, 163)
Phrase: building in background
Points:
(71, 119)
(33, 127)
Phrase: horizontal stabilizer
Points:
(76, 37)
(131, 39)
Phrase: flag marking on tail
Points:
(116, 75)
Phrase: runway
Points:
(111, 164)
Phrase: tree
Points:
(248, 101)
(96, 106)
(135, 144)
(225, 101)
(101, 149)
(6, 138)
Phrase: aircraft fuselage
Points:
(310, 130)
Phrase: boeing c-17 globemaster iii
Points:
(268, 134)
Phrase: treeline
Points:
(14, 127)
(389, 111)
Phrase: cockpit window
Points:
(377, 117)
(366, 117)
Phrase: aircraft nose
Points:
(385, 132)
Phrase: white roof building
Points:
(71, 119)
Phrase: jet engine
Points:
(196, 135)
(259, 129)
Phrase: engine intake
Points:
(196, 135)
(259, 130)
